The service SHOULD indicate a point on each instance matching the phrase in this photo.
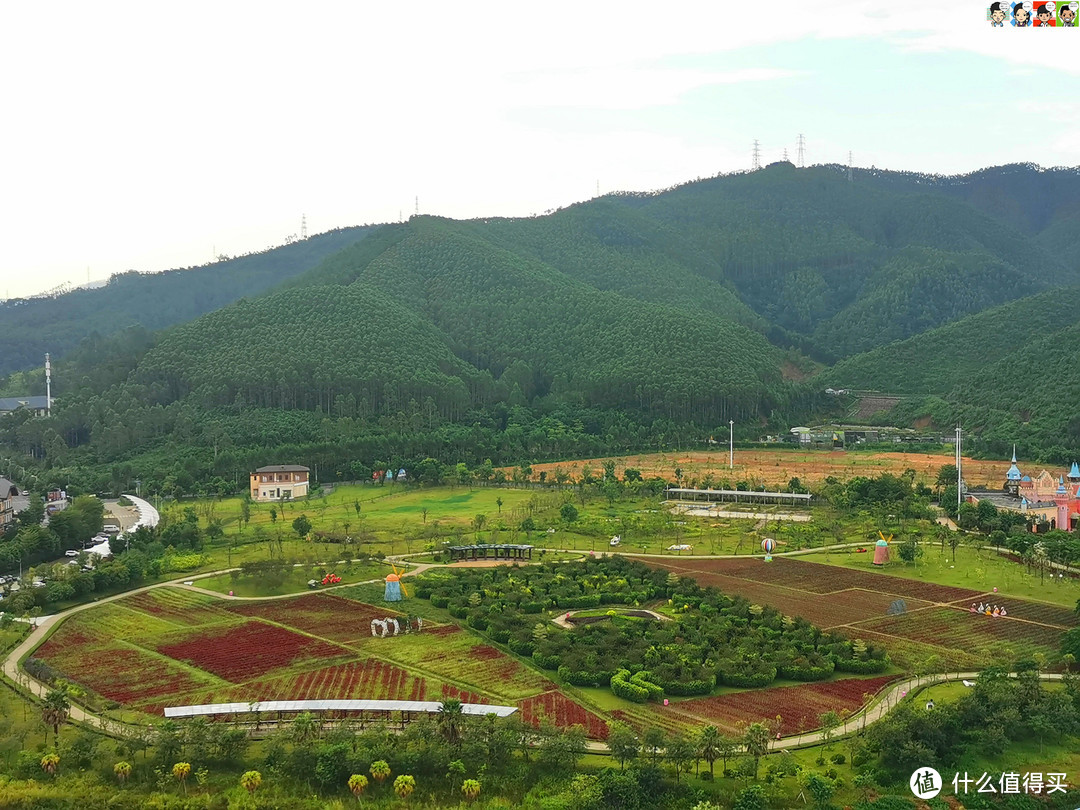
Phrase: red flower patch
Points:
(563, 713)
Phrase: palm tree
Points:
(122, 771)
(250, 781)
(49, 763)
(54, 710)
(357, 783)
(404, 785)
(449, 720)
(709, 745)
(380, 770)
(181, 770)
(470, 789)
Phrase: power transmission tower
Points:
(757, 156)
(849, 166)
(802, 151)
(303, 226)
(417, 209)
(785, 155)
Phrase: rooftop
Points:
(275, 468)
(426, 706)
(14, 403)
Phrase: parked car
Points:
(71, 553)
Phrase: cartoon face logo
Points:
(1068, 14)
(1021, 14)
(1044, 13)
(997, 13)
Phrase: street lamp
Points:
(731, 444)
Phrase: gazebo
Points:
(488, 551)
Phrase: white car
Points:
(71, 553)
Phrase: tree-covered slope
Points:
(31, 327)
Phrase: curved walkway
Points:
(10, 666)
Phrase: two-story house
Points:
(279, 482)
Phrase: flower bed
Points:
(249, 650)
(178, 606)
(449, 691)
(798, 706)
(320, 614)
(563, 713)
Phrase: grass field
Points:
(296, 581)
(773, 466)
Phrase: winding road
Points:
(871, 713)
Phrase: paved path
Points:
(10, 667)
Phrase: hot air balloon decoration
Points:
(767, 545)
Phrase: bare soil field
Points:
(766, 467)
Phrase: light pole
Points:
(959, 477)
(731, 444)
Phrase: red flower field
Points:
(320, 614)
(449, 691)
(563, 713)
(248, 650)
(798, 706)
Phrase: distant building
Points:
(39, 406)
(281, 482)
(7, 507)
(1046, 499)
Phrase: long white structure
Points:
(270, 706)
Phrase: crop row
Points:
(562, 713)
(450, 691)
(320, 614)
(908, 654)
(178, 606)
(799, 707)
(982, 635)
(114, 670)
(819, 578)
(249, 650)
(1030, 611)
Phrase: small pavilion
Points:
(489, 551)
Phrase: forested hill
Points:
(31, 327)
(606, 326)
(1009, 374)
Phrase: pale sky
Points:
(149, 136)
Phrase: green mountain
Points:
(630, 320)
(30, 327)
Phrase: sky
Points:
(140, 136)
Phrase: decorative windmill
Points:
(881, 549)
(395, 588)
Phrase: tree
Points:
(380, 770)
(54, 710)
(909, 550)
(828, 721)
(302, 526)
(470, 789)
(654, 741)
(181, 771)
(623, 743)
(404, 785)
(568, 512)
(273, 519)
(820, 789)
(449, 721)
(122, 771)
(679, 752)
(250, 781)
(49, 763)
(708, 745)
(751, 797)
(756, 740)
(499, 503)
(357, 783)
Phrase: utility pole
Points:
(849, 166)
(731, 444)
(959, 476)
(802, 151)
(757, 156)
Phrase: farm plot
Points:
(798, 706)
(818, 578)
(909, 655)
(114, 669)
(987, 637)
(249, 650)
(450, 691)
(178, 606)
(459, 659)
(1039, 612)
(320, 614)
(562, 712)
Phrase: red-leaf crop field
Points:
(798, 706)
(320, 614)
(114, 670)
(249, 650)
(178, 606)
(450, 691)
(563, 713)
(1040, 612)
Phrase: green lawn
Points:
(296, 581)
(978, 570)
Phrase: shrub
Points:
(522, 646)
(532, 607)
(459, 611)
(861, 666)
(549, 662)
(439, 600)
(623, 687)
(838, 759)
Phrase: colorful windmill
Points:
(395, 588)
(881, 549)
